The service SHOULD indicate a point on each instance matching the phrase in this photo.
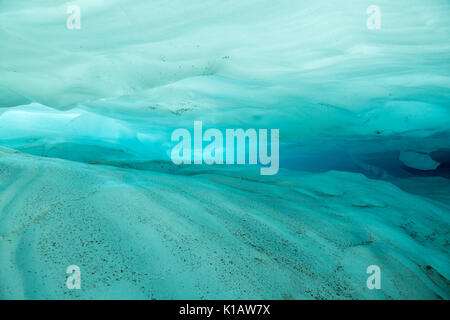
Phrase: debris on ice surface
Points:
(223, 234)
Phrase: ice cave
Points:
(91, 92)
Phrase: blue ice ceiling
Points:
(343, 96)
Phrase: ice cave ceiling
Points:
(133, 72)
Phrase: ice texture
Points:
(421, 161)
(220, 234)
(86, 176)
(312, 70)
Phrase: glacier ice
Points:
(221, 234)
(421, 161)
(85, 170)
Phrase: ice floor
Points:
(218, 234)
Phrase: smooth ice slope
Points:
(157, 235)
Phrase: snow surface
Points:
(218, 234)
